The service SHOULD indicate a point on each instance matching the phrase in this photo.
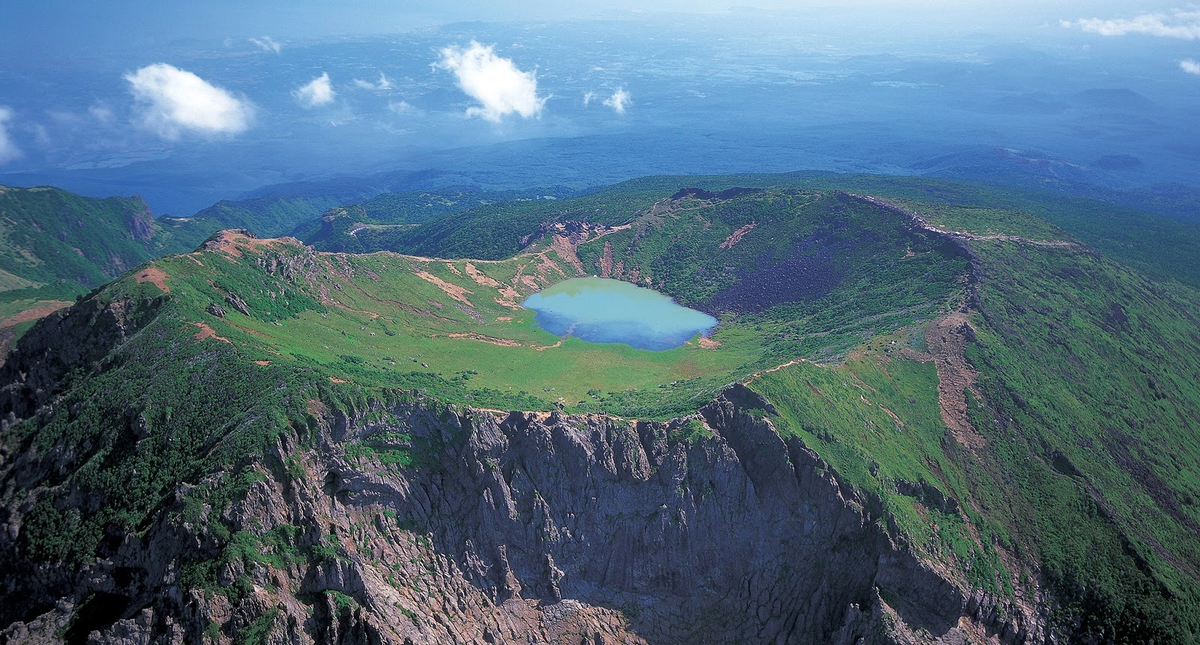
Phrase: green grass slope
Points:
(1023, 408)
(1084, 416)
(455, 328)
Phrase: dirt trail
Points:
(753, 377)
(920, 222)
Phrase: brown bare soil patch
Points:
(41, 310)
(530, 282)
(814, 390)
(333, 379)
(225, 242)
(453, 269)
(912, 354)
(947, 338)
(154, 276)
(606, 260)
(252, 332)
(454, 291)
(565, 248)
(232, 242)
(7, 335)
(207, 332)
(891, 414)
(737, 235)
(506, 303)
(263, 363)
(502, 342)
(503, 318)
(326, 300)
(708, 343)
(480, 278)
(316, 408)
(547, 265)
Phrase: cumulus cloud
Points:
(8, 149)
(384, 83)
(316, 93)
(619, 101)
(588, 98)
(1179, 24)
(1190, 66)
(173, 101)
(267, 44)
(493, 81)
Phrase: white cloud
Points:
(1190, 66)
(588, 98)
(619, 101)
(384, 83)
(403, 108)
(101, 113)
(40, 134)
(316, 93)
(267, 44)
(8, 149)
(495, 82)
(174, 101)
(1179, 24)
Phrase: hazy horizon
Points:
(186, 105)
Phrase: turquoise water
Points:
(600, 310)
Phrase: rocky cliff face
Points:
(504, 528)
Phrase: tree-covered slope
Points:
(379, 223)
(266, 216)
(55, 245)
(52, 236)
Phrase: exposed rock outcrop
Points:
(513, 528)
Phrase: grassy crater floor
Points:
(455, 328)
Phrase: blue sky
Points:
(42, 26)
